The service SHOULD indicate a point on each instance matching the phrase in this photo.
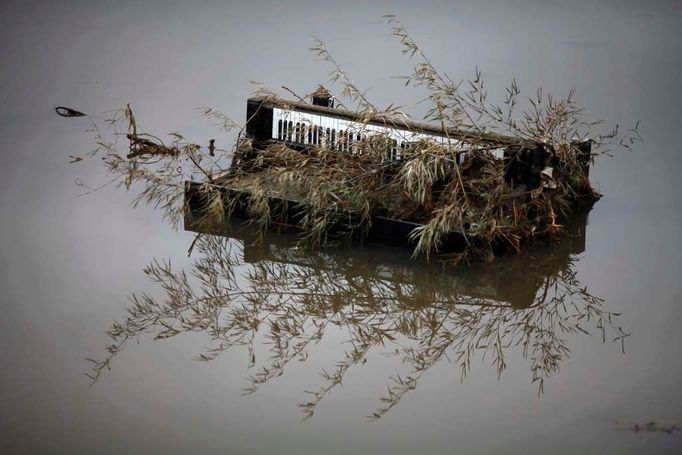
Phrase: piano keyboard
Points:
(302, 125)
(342, 135)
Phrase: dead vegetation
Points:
(426, 185)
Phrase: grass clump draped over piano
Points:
(429, 184)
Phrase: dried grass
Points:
(340, 192)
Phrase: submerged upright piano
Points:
(300, 125)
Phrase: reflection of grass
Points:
(292, 305)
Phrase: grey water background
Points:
(68, 262)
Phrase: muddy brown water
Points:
(69, 262)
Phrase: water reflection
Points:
(241, 292)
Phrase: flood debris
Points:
(502, 175)
(68, 112)
(651, 426)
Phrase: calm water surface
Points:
(69, 262)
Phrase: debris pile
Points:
(336, 195)
(339, 193)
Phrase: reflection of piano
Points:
(509, 281)
(301, 125)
